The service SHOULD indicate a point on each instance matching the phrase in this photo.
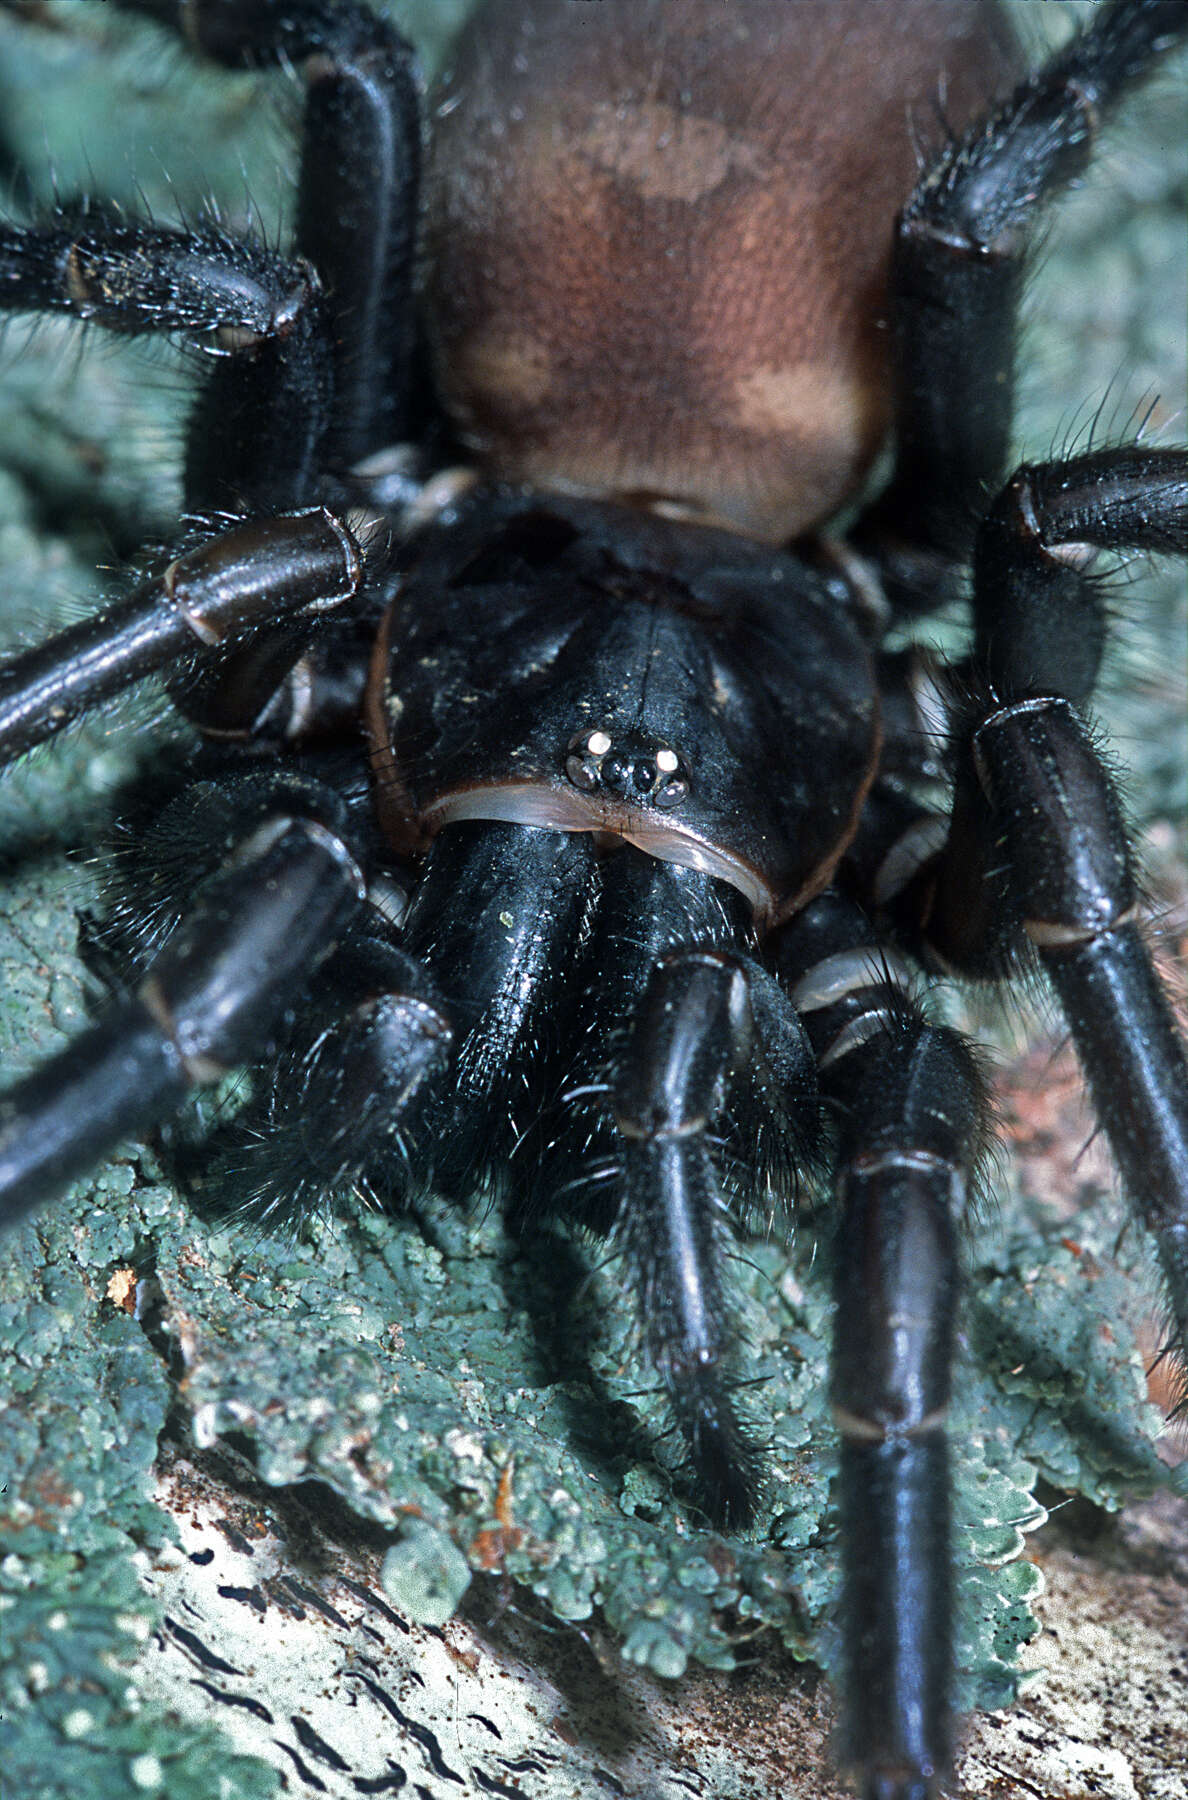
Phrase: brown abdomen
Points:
(658, 234)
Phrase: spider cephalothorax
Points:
(568, 828)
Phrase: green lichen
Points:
(413, 1366)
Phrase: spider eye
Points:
(671, 794)
(630, 769)
(627, 775)
(581, 771)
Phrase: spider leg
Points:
(1040, 623)
(256, 438)
(690, 1080)
(1073, 885)
(911, 1121)
(357, 195)
(213, 998)
(704, 1015)
(1041, 626)
(314, 350)
(304, 564)
(961, 251)
(326, 1115)
(1038, 855)
(312, 354)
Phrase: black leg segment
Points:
(303, 564)
(696, 1027)
(358, 192)
(214, 997)
(1038, 858)
(209, 289)
(1040, 621)
(1041, 628)
(911, 1113)
(256, 437)
(1077, 899)
(326, 1115)
(960, 257)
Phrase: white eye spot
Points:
(667, 762)
(598, 743)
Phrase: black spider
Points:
(565, 835)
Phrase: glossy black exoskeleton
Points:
(578, 838)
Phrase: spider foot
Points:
(898, 1784)
(725, 1464)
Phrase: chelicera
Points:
(566, 826)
